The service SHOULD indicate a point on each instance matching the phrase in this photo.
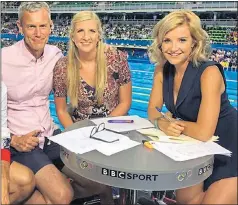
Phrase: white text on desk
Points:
(132, 176)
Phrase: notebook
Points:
(159, 136)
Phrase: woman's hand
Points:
(174, 128)
(169, 115)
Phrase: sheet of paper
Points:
(183, 152)
(175, 140)
(138, 123)
(112, 148)
(109, 136)
(160, 136)
(79, 141)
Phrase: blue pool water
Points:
(142, 79)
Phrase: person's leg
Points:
(22, 182)
(84, 187)
(223, 191)
(190, 195)
(53, 186)
(35, 198)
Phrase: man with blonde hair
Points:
(27, 70)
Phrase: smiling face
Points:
(36, 27)
(86, 36)
(177, 45)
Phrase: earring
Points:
(160, 47)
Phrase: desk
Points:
(137, 168)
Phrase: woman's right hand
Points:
(174, 128)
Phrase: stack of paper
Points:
(79, 141)
(138, 123)
(183, 152)
(116, 147)
(159, 136)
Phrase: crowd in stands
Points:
(61, 45)
(62, 31)
(13, 4)
(126, 31)
(61, 26)
(219, 34)
(8, 25)
(225, 35)
(5, 42)
(10, 3)
(227, 58)
(114, 31)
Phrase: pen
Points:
(164, 115)
(170, 138)
(120, 121)
(147, 144)
(176, 138)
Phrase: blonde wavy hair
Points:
(74, 65)
(201, 49)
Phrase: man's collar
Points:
(26, 53)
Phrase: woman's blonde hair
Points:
(201, 49)
(73, 67)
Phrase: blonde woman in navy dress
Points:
(194, 90)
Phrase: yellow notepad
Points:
(160, 136)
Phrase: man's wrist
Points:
(13, 140)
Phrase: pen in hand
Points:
(164, 115)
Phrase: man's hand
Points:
(5, 182)
(26, 142)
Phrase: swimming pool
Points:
(142, 79)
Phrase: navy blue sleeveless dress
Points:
(187, 107)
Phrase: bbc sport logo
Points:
(127, 175)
